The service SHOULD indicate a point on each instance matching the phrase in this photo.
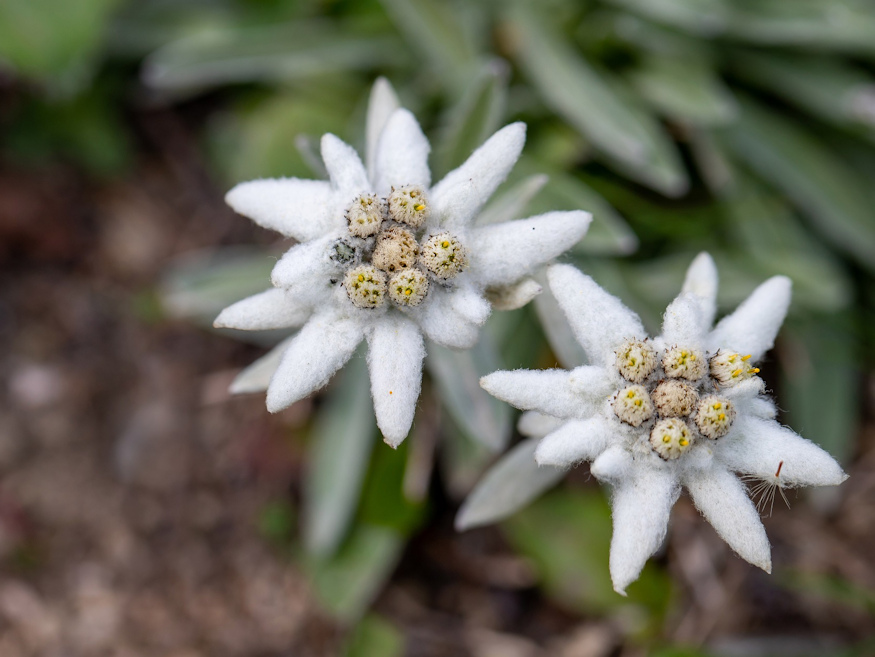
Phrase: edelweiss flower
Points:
(683, 409)
(385, 256)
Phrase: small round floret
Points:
(674, 398)
(408, 287)
(444, 256)
(408, 205)
(670, 438)
(714, 417)
(364, 215)
(365, 286)
(632, 405)
(396, 249)
(729, 368)
(636, 360)
(684, 363)
(344, 253)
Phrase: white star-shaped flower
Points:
(685, 409)
(386, 256)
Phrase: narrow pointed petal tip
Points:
(345, 168)
(754, 325)
(600, 321)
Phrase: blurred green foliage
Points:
(743, 128)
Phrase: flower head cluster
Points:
(386, 256)
(685, 409)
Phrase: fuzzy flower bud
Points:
(636, 360)
(396, 249)
(408, 287)
(444, 256)
(684, 363)
(344, 253)
(365, 286)
(714, 417)
(408, 205)
(364, 215)
(729, 368)
(670, 438)
(674, 398)
(632, 405)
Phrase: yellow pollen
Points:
(630, 394)
(361, 278)
(683, 442)
(717, 406)
(408, 291)
(638, 402)
(721, 417)
(418, 207)
(666, 439)
(445, 244)
(736, 373)
(748, 357)
(755, 370)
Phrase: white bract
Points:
(386, 256)
(685, 409)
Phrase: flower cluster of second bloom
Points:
(387, 257)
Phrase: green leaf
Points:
(374, 636)
(820, 382)
(819, 183)
(512, 203)
(596, 105)
(436, 31)
(273, 53)
(473, 118)
(829, 88)
(701, 17)
(274, 137)
(347, 583)
(457, 377)
(383, 501)
(512, 483)
(340, 447)
(54, 41)
(462, 459)
(199, 285)
(567, 534)
(685, 90)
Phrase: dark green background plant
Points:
(746, 129)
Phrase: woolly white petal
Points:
(256, 377)
(762, 407)
(470, 303)
(443, 324)
(641, 505)
(457, 199)
(503, 253)
(537, 425)
(271, 309)
(321, 348)
(545, 391)
(575, 441)
(724, 502)
(516, 295)
(509, 485)
(395, 353)
(305, 271)
(296, 208)
(752, 328)
(345, 168)
(402, 154)
(382, 103)
(599, 320)
(701, 280)
(614, 464)
(682, 323)
(757, 447)
(591, 382)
